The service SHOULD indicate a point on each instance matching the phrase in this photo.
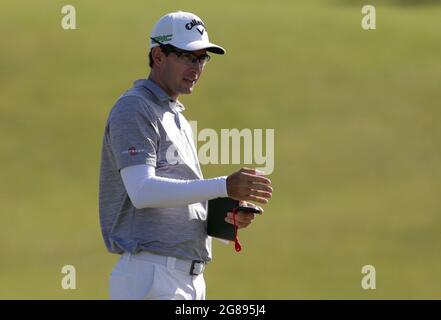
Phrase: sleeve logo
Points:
(132, 151)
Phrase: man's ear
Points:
(158, 56)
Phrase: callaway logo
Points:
(194, 23)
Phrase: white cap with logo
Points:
(183, 30)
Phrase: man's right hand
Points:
(246, 184)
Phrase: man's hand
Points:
(247, 184)
(243, 219)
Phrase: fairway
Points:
(357, 152)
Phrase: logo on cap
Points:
(194, 23)
(164, 38)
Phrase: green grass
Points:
(357, 150)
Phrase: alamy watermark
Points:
(369, 21)
(69, 281)
(69, 21)
(369, 281)
(231, 146)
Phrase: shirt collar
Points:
(159, 93)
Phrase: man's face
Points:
(179, 75)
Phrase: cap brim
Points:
(199, 45)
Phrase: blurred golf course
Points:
(356, 114)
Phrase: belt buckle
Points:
(199, 270)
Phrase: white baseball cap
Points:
(183, 30)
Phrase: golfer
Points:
(153, 197)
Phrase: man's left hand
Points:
(243, 219)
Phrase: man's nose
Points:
(198, 66)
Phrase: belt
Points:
(192, 267)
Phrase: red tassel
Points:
(237, 245)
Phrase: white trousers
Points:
(152, 277)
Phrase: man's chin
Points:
(187, 90)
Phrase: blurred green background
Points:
(356, 114)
